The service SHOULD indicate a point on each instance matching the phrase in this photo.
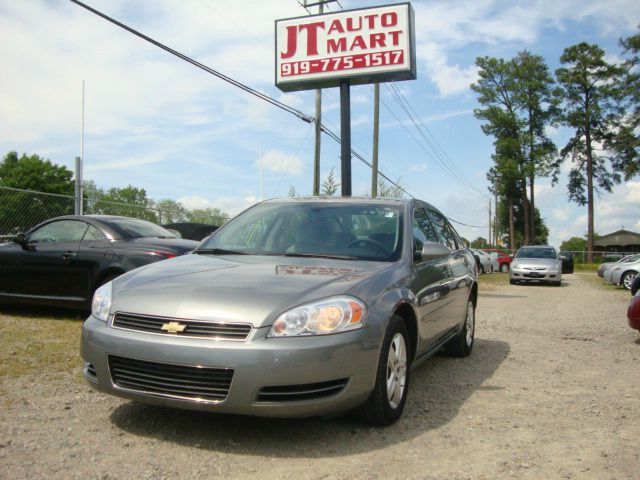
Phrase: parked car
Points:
(606, 265)
(623, 273)
(485, 262)
(64, 259)
(296, 307)
(503, 258)
(567, 262)
(191, 231)
(633, 312)
(536, 263)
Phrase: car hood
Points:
(234, 288)
(536, 262)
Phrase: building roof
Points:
(620, 238)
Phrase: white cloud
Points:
(450, 79)
(277, 161)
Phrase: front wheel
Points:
(627, 279)
(504, 268)
(462, 344)
(387, 400)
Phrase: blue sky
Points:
(156, 122)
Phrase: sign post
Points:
(340, 49)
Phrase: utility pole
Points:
(490, 238)
(376, 130)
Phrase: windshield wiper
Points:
(320, 255)
(219, 251)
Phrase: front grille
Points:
(90, 370)
(192, 328)
(195, 383)
(296, 393)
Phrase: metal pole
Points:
(376, 130)
(78, 173)
(345, 137)
(78, 187)
(316, 156)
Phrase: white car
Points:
(622, 273)
(536, 263)
(607, 265)
(487, 264)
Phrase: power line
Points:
(301, 115)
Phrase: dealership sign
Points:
(362, 46)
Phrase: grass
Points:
(490, 281)
(586, 267)
(32, 342)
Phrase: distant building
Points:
(620, 241)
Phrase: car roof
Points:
(387, 201)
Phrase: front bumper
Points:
(296, 366)
(522, 275)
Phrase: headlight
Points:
(332, 315)
(101, 303)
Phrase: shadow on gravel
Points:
(439, 387)
(500, 295)
(34, 311)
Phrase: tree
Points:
(50, 192)
(330, 184)
(129, 201)
(390, 190)
(479, 242)
(170, 211)
(589, 93)
(517, 106)
(626, 141)
(574, 244)
(534, 93)
(210, 216)
(35, 173)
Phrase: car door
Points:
(430, 284)
(95, 254)
(461, 264)
(45, 266)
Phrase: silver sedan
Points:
(294, 308)
(536, 263)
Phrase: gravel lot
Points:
(551, 391)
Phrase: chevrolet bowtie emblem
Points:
(173, 327)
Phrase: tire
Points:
(385, 404)
(462, 344)
(556, 284)
(512, 282)
(504, 268)
(481, 269)
(627, 279)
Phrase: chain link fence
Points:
(22, 209)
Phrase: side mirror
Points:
(19, 239)
(433, 250)
(635, 285)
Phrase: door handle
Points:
(68, 255)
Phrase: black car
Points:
(567, 261)
(64, 259)
(192, 231)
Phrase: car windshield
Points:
(318, 229)
(536, 253)
(630, 259)
(137, 228)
